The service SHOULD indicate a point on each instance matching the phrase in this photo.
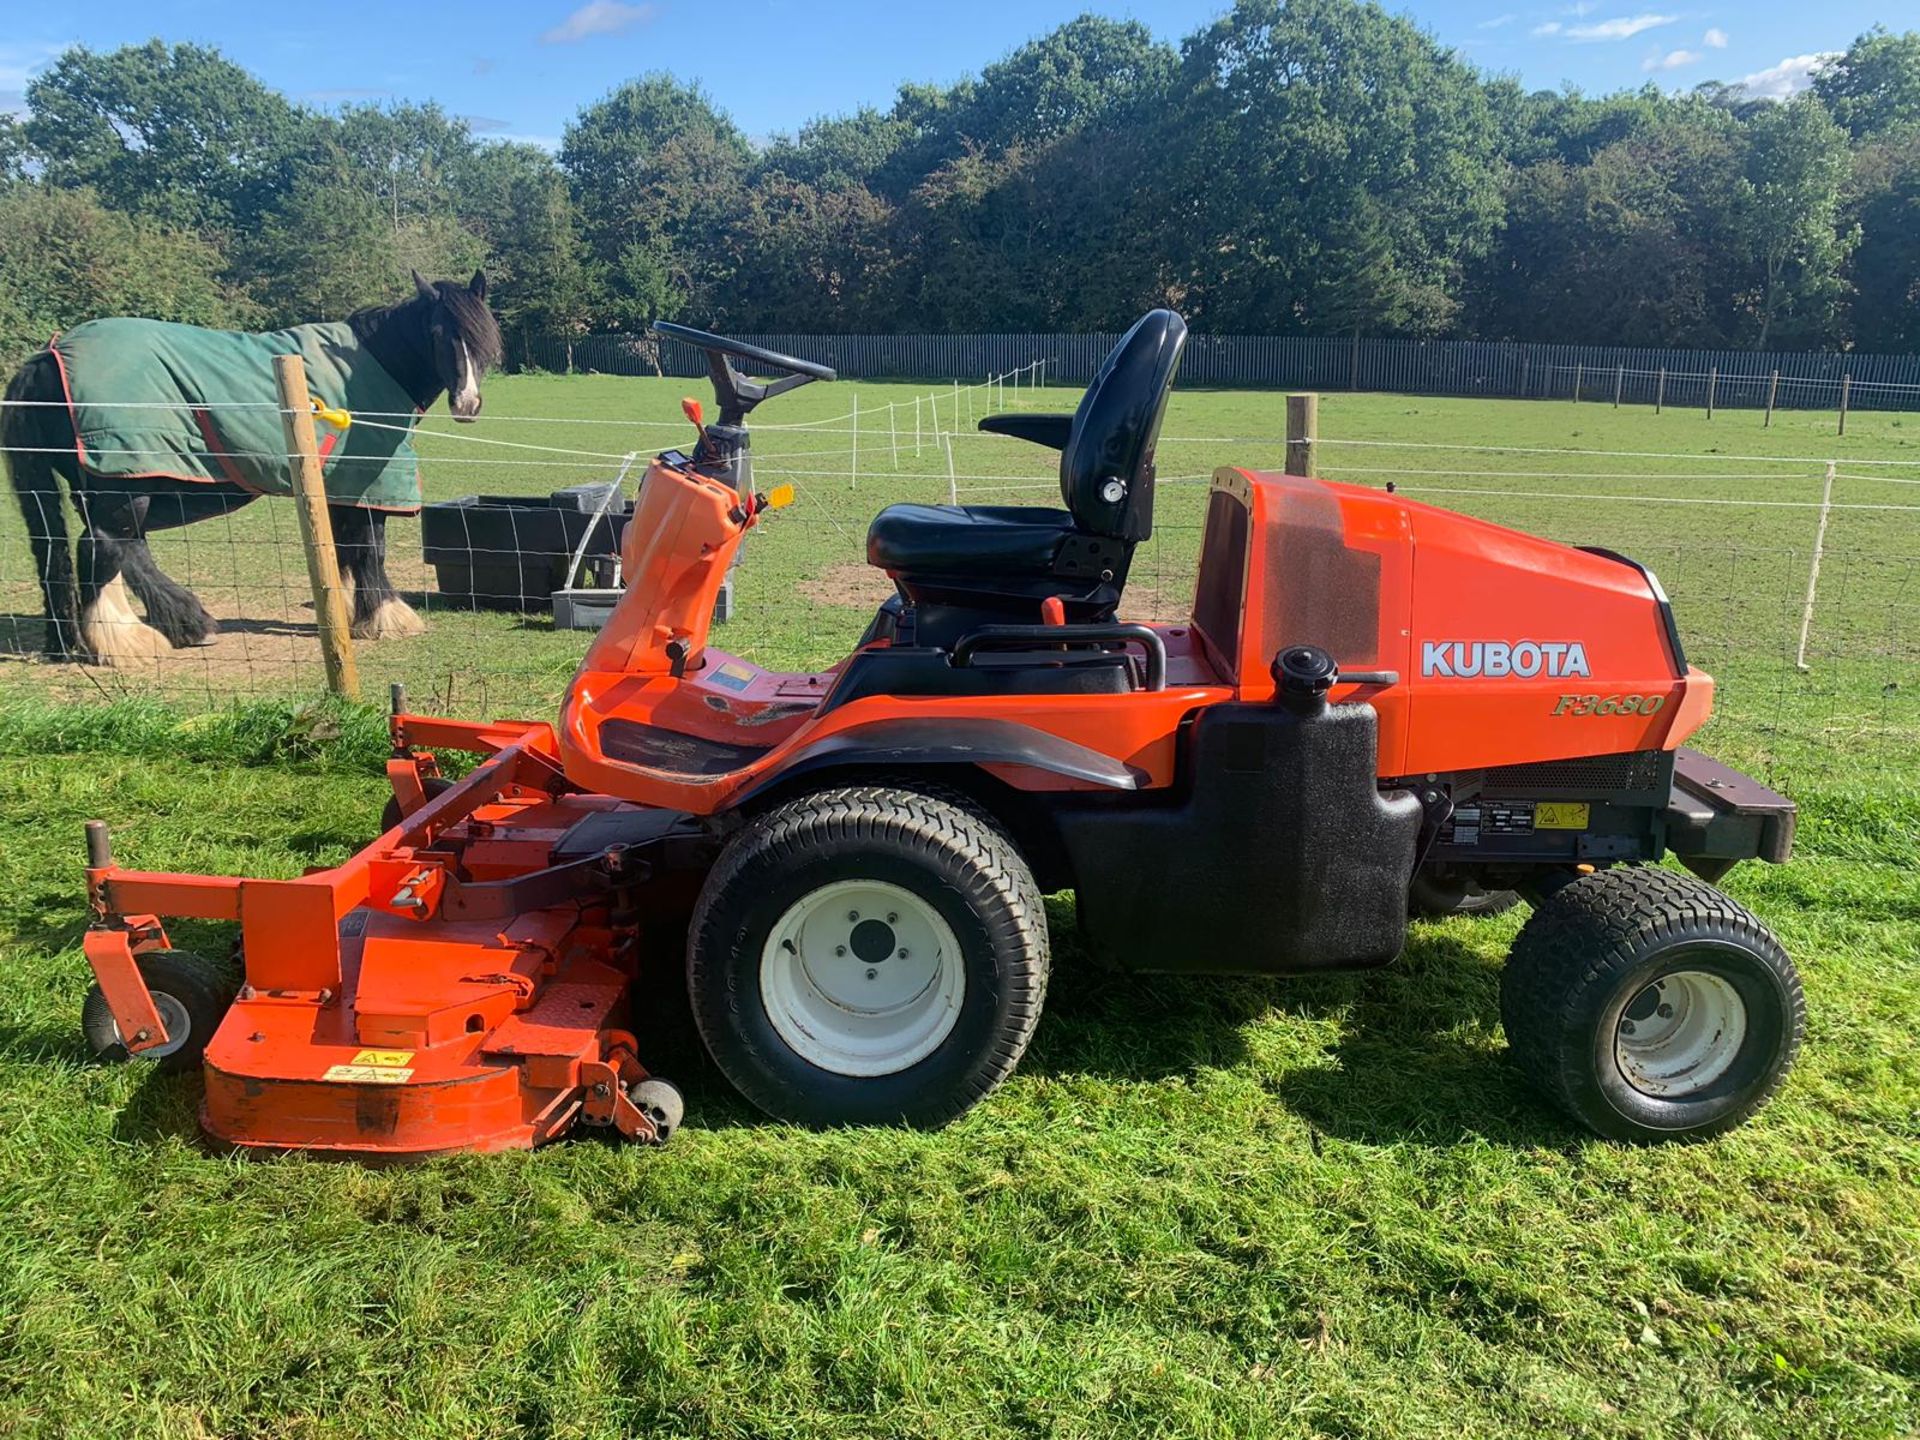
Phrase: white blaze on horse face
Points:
(465, 400)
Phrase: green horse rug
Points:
(154, 400)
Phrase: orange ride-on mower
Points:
(1375, 706)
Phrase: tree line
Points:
(1295, 166)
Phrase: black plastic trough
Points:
(510, 552)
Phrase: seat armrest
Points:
(1052, 431)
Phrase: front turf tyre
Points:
(868, 956)
(192, 995)
(1649, 1006)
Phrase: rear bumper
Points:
(1716, 816)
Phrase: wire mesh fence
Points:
(1700, 379)
(526, 503)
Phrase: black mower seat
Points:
(961, 566)
(945, 539)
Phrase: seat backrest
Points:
(1106, 469)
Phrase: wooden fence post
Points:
(1713, 384)
(1660, 395)
(1526, 373)
(1773, 392)
(1353, 379)
(1303, 428)
(316, 525)
(1846, 389)
(1619, 380)
(1579, 374)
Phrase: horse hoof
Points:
(112, 634)
(394, 620)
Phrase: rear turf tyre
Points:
(1649, 1006)
(868, 956)
(1433, 895)
(192, 995)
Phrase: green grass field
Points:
(1313, 1207)
(1737, 571)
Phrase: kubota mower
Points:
(1375, 704)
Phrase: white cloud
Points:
(18, 65)
(1672, 60)
(1623, 28)
(598, 17)
(1715, 39)
(1496, 22)
(1789, 77)
(1552, 27)
(1581, 8)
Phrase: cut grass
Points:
(1318, 1206)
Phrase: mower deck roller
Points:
(1375, 706)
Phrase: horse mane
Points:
(477, 325)
(476, 322)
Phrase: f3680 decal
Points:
(1497, 659)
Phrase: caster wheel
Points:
(1649, 1006)
(391, 816)
(192, 995)
(661, 1102)
(1434, 896)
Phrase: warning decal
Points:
(383, 1057)
(368, 1074)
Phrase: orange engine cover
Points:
(1508, 648)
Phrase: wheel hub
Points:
(1680, 1034)
(862, 978)
(174, 1016)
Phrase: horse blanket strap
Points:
(152, 400)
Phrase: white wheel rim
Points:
(1680, 1034)
(862, 978)
(174, 1016)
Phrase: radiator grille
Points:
(1634, 770)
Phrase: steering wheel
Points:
(736, 394)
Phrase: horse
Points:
(440, 340)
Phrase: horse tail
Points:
(30, 434)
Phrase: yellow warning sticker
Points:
(368, 1074)
(1561, 815)
(383, 1057)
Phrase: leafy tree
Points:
(1292, 114)
(332, 248)
(411, 157)
(1796, 165)
(13, 150)
(516, 200)
(1886, 267)
(838, 149)
(1628, 247)
(1085, 72)
(176, 132)
(656, 173)
(65, 257)
(1874, 88)
(813, 258)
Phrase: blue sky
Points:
(521, 67)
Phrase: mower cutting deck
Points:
(1375, 706)
(463, 983)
